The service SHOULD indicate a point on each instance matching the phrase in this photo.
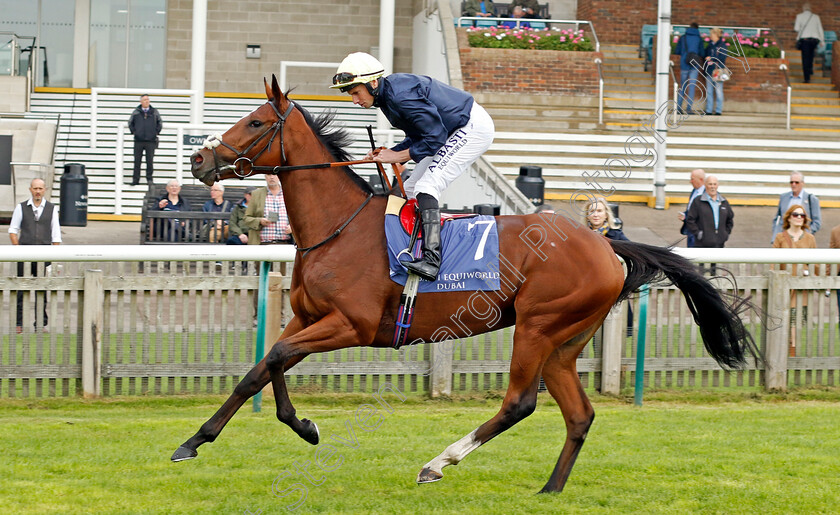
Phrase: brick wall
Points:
(835, 65)
(528, 72)
(291, 30)
(620, 21)
(763, 83)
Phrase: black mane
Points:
(335, 139)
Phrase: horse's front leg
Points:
(254, 381)
(330, 333)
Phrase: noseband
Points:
(214, 140)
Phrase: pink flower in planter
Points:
(707, 39)
(727, 44)
(774, 43)
(755, 45)
(562, 38)
(676, 39)
(765, 45)
(547, 33)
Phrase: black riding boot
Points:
(427, 267)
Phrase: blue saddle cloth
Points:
(470, 249)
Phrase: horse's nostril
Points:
(198, 159)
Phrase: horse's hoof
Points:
(310, 432)
(428, 475)
(184, 453)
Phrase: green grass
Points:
(706, 452)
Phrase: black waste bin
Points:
(531, 184)
(487, 209)
(72, 209)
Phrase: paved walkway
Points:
(656, 227)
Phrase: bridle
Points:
(214, 140)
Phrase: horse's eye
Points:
(256, 123)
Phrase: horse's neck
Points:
(319, 200)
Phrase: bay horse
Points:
(558, 282)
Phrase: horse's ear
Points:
(268, 94)
(275, 89)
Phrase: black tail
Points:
(724, 335)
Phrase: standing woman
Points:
(716, 72)
(794, 236)
(809, 35)
(600, 219)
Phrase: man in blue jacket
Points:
(689, 45)
(446, 132)
(145, 124)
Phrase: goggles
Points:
(347, 77)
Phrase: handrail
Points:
(676, 90)
(600, 92)
(783, 67)
(577, 24)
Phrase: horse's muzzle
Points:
(203, 167)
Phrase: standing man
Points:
(266, 217)
(145, 124)
(809, 35)
(238, 233)
(34, 222)
(446, 132)
(710, 217)
(691, 50)
(797, 195)
(697, 178)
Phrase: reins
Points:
(276, 129)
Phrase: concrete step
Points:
(629, 93)
(544, 125)
(617, 90)
(632, 55)
(628, 103)
(816, 94)
(814, 85)
(620, 65)
(822, 110)
(647, 81)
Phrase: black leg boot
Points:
(428, 266)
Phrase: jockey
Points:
(446, 132)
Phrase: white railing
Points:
(600, 92)
(285, 65)
(94, 103)
(136, 253)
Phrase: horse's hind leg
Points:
(520, 401)
(563, 383)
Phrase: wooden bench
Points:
(183, 227)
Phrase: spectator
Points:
(600, 219)
(217, 230)
(483, 8)
(237, 232)
(265, 217)
(797, 195)
(710, 218)
(794, 236)
(696, 180)
(716, 72)
(34, 222)
(172, 229)
(530, 8)
(518, 13)
(809, 35)
(145, 124)
(446, 132)
(690, 49)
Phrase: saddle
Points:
(410, 214)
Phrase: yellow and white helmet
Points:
(356, 68)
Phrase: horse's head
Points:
(256, 139)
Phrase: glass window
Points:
(140, 63)
(56, 55)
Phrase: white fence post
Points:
(613, 333)
(92, 317)
(778, 303)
